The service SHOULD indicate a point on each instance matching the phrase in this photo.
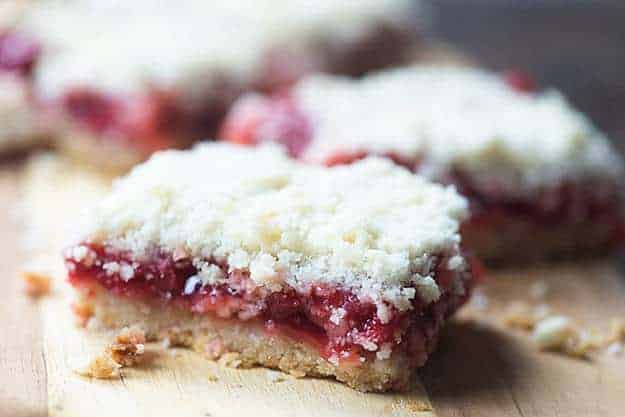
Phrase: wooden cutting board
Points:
(480, 369)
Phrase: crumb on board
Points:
(419, 406)
(83, 312)
(523, 316)
(559, 333)
(100, 367)
(126, 350)
(36, 284)
(129, 346)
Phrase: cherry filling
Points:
(256, 119)
(332, 319)
(593, 201)
(520, 81)
(150, 120)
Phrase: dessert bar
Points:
(347, 271)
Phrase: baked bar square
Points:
(347, 272)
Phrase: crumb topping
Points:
(372, 227)
(123, 48)
(455, 118)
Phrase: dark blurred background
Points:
(576, 46)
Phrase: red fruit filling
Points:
(567, 203)
(150, 121)
(332, 319)
(520, 81)
(254, 120)
(257, 119)
(18, 53)
(346, 158)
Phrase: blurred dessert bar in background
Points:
(119, 81)
(542, 181)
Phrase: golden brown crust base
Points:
(216, 338)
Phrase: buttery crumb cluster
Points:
(126, 351)
(371, 228)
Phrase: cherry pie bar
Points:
(347, 271)
(541, 180)
(125, 79)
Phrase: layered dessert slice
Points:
(346, 272)
(542, 181)
(123, 80)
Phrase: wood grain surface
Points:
(480, 369)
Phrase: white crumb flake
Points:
(371, 227)
(456, 118)
(208, 273)
(428, 289)
(126, 272)
(111, 268)
(337, 315)
(118, 46)
(553, 332)
(78, 253)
